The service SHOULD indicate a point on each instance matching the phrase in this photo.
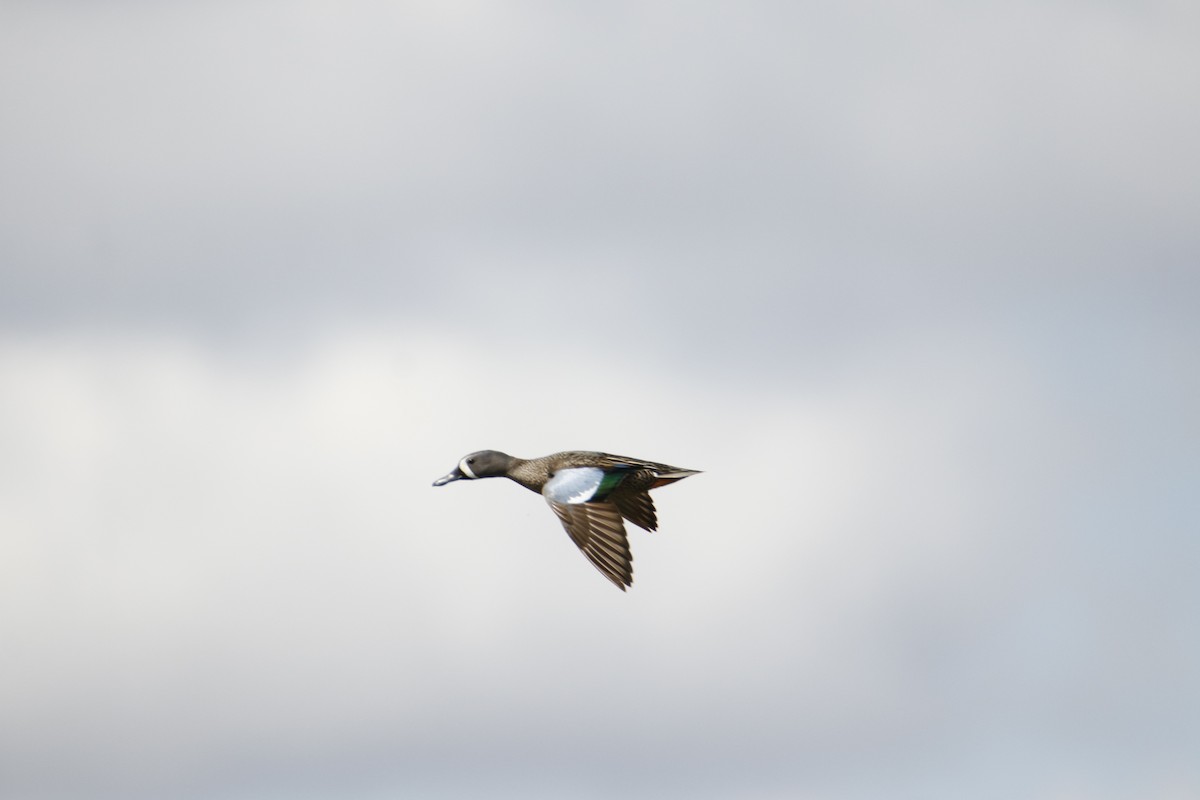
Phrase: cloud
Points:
(911, 287)
(233, 568)
(219, 164)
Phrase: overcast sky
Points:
(917, 286)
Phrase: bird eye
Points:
(470, 461)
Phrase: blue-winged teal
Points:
(590, 492)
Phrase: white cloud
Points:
(211, 554)
(910, 286)
(313, 153)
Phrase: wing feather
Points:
(637, 507)
(597, 530)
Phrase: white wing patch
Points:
(574, 485)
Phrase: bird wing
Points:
(637, 507)
(597, 530)
(577, 485)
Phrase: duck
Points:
(590, 492)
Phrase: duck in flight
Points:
(589, 491)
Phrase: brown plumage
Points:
(590, 492)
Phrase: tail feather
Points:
(665, 478)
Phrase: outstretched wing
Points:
(597, 530)
(637, 507)
(622, 482)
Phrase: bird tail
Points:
(665, 478)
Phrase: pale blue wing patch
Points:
(574, 485)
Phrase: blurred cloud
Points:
(356, 155)
(914, 287)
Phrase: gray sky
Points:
(916, 287)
